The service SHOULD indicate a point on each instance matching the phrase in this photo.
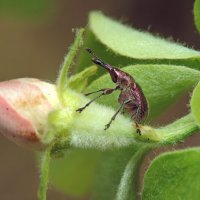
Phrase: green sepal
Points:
(62, 80)
(79, 81)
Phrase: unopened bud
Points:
(24, 108)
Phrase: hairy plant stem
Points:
(170, 134)
(68, 60)
(44, 174)
(129, 185)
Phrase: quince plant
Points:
(107, 163)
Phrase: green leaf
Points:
(197, 14)
(74, 173)
(131, 46)
(174, 175)
(178, 130)
(132, 43)
(171, 133)
(195, 104)
(162, 84)
(110, 171)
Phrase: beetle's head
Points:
(114, 73)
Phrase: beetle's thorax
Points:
(120, 78)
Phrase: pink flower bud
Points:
(24, 107)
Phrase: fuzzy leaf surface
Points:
(74, 173)
(126, 45)
(174, 175)
(110, 171)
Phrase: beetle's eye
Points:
(114, 75)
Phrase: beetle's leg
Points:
(137, 128)
(107, 91)
(114, 116)
(104, 92)
(136, 120)
(87, 94)
(123, 110)
(86, 105)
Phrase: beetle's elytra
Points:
(131, 97)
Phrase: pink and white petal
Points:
(24, 108)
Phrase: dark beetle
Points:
(131, 97)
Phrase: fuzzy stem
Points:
(178, 130)
(69, 58)
(129, 184)
(44, 174)
(170, 134)
(60, 145)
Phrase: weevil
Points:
(131, 97)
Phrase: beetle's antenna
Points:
(97, 60)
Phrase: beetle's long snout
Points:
(97, 60)
(112, 71)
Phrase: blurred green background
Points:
(35, 35)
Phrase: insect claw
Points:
(138, 131)
(89, 50)
(106, 127)
(80, 110)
